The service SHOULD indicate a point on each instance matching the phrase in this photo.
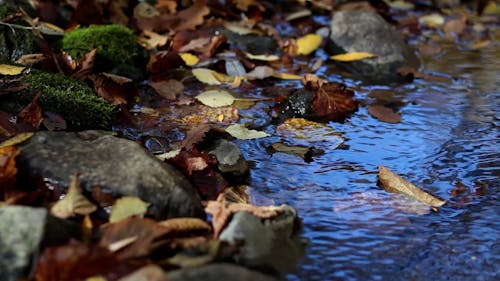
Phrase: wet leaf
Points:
(150, 272)
(206, 76)
(400, 5)
(76, 261)
(195, 135)
(299, 14)
(308, 43)
(287, 76)
(17, 139)
(332, 102)
(74, 203)
(126, 207)
(189, 59)
(353, 56)
(221, 212)
(243, 133)
(49, 29)
(192, 16)
(384, 113)
(307, 133)
(260, 72)
(6, 69)
(114, 88)
(169, 89)
(8, 169)
(32, 113)
(432, 20)
(215, 98)
(391, 182)
(303, 152)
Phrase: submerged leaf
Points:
(215, 98)
(126, 207)
(353, 56)
(241, 132)
(394, 183)
(384, 113)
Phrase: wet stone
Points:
(118, 166)
(231, 162)
(24, 231)
(218, 271)
(273, 245)
(363, 31)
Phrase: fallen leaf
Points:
(189, 58)
(192, 16)
(260, 72)
(332, 102)
(306, 133)
(221, 212)
(8, 169)
(391, 182)
(169, 89)
(287, 76)
(140, 232)
(308, 43)
(120, 244)
(185, 225)
(262, 57)
(206, 76)
(49, 29)
(152, 39)
(234, 68)
(6, 69)
(74, 203)
(53, 121)
(384, 113)
(299, 14)
(353, 56)
(195, 135)
(303, 152)
(150, 272)
(77, 261)
(126, 207)
(241, 132)
(455, 26)
(215, 98)
(400, 4)
(32, 113)
(31, 59)
(114, 88)
(17, 139)
(432, 20)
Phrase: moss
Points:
(73, 100)
(15, 42)
(4, 11)
(115, 45)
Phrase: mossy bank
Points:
(73, 100)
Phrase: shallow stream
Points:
(447, 144)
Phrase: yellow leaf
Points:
(215, 98)
(287, 76)
(127, 206)
(394, 183)
(262, 57)
(432, 20)
(308, 43)
(492, 8)
(96, 278)
(206, 76)
(353, 56)
(241, 132)
(73, 203)
(6, 69)
(17, 139)
(50, 29)
(189, 58)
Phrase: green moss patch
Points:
(115, 45)
(75, 101)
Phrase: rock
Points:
(24, 231)
(231, 162)
(118, 166)
(270, 244)
(362, 31)
(16, 42)
(216, 272)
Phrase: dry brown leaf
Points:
(384, 113)
(394, 183)
(192, 16)
(152, 39)
(8, 169)
(74, 203)
(168, 89)
(184, 225)
(32, 113)
(221, 212)
(195, 135)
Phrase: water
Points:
(448, 138)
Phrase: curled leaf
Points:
(74, 203)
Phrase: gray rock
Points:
(270, 244)
(362, 31)
(118, 166)
(231, 162)
(24, 231)
(216, 272)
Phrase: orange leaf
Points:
(384, 113)
(8, 168)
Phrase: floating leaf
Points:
(206, 76)
(391, 182)
(432, 20)
(215, 98)
(6, 69)
(17, 139)
(73, 203)
(308, 43)
(353, 56)
(262, 57)
(126, 207)
(384, 113)
(189, 58)
(241, 132)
